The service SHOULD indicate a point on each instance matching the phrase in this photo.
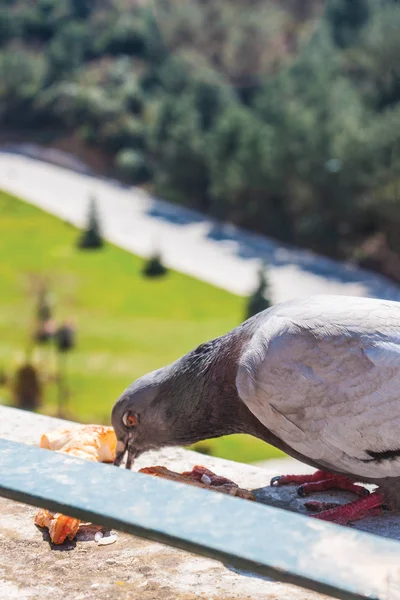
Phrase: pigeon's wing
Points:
(326, 380)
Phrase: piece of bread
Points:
(92, 442)
(60, 527)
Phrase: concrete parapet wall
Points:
(134, 568)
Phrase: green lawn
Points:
(127, 325)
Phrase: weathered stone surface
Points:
(133, 568)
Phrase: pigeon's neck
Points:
(201, 398)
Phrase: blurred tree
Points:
(9, 25)
(267, 118)
(125, 36)
(374, 58)
(241, 45)
(91, 238)
(315, 114)
(21, 79)
(346, 18)
(133, 166)
(259, 300)
(178, 136)
(67, 50)
(123, 133)
(82, 9)
(154, 266)
(240, 163)
(27, 388)
(181, 173)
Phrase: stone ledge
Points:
(132, 567)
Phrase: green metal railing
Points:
(263, 540)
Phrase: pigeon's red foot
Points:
(317, 507)
(370, 506)
(320, 481)
(299, 479)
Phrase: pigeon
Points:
(318, 378)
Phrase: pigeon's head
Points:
(137, 418)
(193, 399)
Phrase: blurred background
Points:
(169, 168)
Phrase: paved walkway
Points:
(219, 254)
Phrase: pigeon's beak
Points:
(120, 452)
(132, 453)
(124, 447)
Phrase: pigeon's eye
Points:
(130, 419)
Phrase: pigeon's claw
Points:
(334, 482)
(320, 481)
(275, 480)
(300, 479)
(368, 506)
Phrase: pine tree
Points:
(259, 300)
(91, 238)
(154, 266)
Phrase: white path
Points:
(221, 255)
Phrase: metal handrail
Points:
(260, 539)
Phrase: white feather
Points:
(324, 376)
